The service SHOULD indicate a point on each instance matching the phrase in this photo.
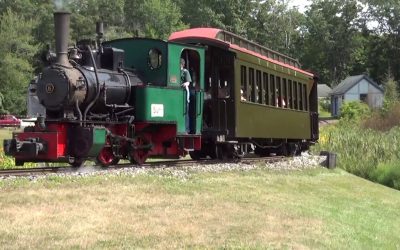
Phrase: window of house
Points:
(363, 97)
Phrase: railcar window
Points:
(300, 88)
(295, 96)
(243, 82)
(279, 98)
(290, 95)
(265, 88)
(305, 97)
(272, 90)
(284, 90)
(259, 87)
(252, 89)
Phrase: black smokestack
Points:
(61, 25)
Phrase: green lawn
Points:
(5, 134)
(324, 113)
(255, 209)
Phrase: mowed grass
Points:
(5, 133)
(255, 209)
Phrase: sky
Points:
(300, 4)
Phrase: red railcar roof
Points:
(237, 43)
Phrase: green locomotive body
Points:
(160, 97)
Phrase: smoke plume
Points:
(60, 4)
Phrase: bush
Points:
(354, 110)
(360, 150)
(388, 174)
(385, 119)
(325, 104)
(7, 162)
(369, 147)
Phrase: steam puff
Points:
(60, 4)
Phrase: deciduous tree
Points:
(17, 47)
(330, 39)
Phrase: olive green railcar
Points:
(255, 97)
(276, 103)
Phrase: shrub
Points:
(354, 110)
(325, 104)
(391, 95)
(388, 174)
(360, 150)
(385, 119)
(7, 162)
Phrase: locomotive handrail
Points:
(225, 114)
(97, 83)
(198, 103)
(184, 101)
(128, 84)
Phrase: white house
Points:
(356, 88)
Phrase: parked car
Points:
(9, 121)
(28, 122)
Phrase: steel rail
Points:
(151, 165)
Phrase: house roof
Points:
(324, 90)
(350, 81)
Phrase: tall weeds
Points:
(360, 150)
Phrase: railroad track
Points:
(151, 165)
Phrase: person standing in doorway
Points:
(186, 80)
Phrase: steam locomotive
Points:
(123, 99)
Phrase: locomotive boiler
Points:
(74, 86)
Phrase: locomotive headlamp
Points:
(49, 88)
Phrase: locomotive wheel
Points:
(76, 162)
(107, 157)
(138, 156)
(197, 155)
(291, 149)
(262, 151)
(225, 152)
(210, 150)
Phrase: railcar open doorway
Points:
(192, 61)
(219, 115)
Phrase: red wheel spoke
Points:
(138, 155)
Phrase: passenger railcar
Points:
(258, 97)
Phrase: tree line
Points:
(333, 38)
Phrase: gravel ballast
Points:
(298, 163)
